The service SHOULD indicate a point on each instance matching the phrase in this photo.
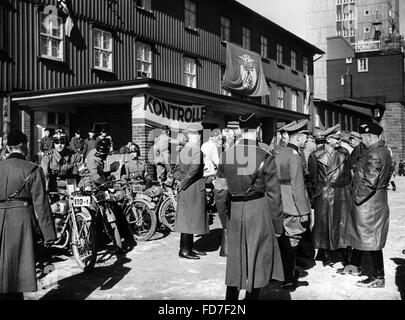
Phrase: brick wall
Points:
(393, 123)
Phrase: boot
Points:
(254, 295)
(232, 293)
(289, 259)
(223, 252)
(186, 247)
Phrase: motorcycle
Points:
(75, 228)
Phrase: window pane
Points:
(51, 118)
(61, 119)
(44, 46)
(97, 39)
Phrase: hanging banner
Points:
(307, 94)
(159, 112)
(244, 72)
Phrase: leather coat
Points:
(368, 222)
(331, 176)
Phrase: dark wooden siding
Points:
(22, 69)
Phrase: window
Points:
(280, 98)
(51, 37)
(349, 60)
(56, 119)
(143, 60)
(293, 60)
(294, 98)
(144, 4)
(305, 65)
(225, 29)
(279, 54)
(102, 50)
(190, 10)
(264, 47)
(245, 38)
(362, 65)
(190, 73)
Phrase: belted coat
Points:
(253, 252)
(368, 221)
(191, 216)
(331, 176)
(18, 220)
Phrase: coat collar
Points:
(293, 146)
(16, 155)
(378, 144)
(338, 159)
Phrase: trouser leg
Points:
(377, 263)
(355, 260)
(254, 295)
(232, 293)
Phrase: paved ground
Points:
(153, 271)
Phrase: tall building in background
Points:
(364, 23)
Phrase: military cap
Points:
(16, 137)
(333, 132)
(47, 129)
(319, 136)
(233, 125)
(282, 129)
(165, 128)
(355, 134)
(103, 130)
(297, 127)
(372, 128)
(78, 131)
(59, 133)
(248, 121)
(92, 130)
(194, 127)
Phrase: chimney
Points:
(348, 85)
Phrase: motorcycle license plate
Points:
(81, 202)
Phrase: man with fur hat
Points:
(296, 204)
(248, 174)
(330, 171)
(23, 200)
(368, 221)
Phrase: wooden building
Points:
(53, 75)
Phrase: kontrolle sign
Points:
(159, 112)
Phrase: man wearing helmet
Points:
(60, 163)
(134, 168)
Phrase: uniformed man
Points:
(358, 147)
(330, 171)
(368, 221)
(162, 150)
(22, 201)
(191, 216)
(46, 143)
(248, 174)
(104, 135)
(134, 168)
(60, 163)
(296, 203)
(89, 143)
(77, 142)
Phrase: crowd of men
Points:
(264, 197)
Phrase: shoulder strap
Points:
(17, 193)
(258, 173)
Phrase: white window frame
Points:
(305, 65)
(144, 4)
(362, 65)
(190, 14)
(190, 72)
(264, 47)
(103, 50)
(144, 60)
(50, 38)
(225, 29)
(293, 60)
(246, 34)
(280, 98)
(294, 101)
(279, 54)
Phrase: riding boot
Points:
(254, 295)
(289, 260)
(232, 293)
(186, 247)
(223, 252)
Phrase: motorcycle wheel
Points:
(141, 219)
(167, 214)
(84, 244)
(113, 232)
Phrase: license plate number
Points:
(81, 201)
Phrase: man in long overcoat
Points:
(23, 205)
(330, 171)
(255, 218)
(296, 204)
(368, 222)
(191, 216)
